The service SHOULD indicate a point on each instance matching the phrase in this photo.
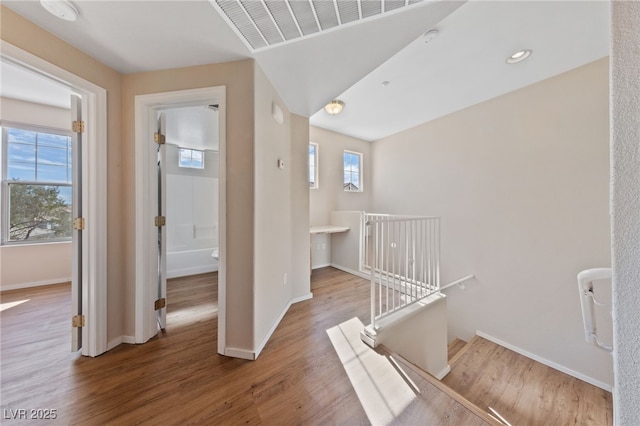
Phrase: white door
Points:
(78, 315)
(160, 304)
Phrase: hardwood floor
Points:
(178, 378)
(524, 391)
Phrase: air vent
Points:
(266, 23)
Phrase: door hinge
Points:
(158, 138)
(161, 221)
(77, 321)
(78, 223)
(160, 303)
(77, 126)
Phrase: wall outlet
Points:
(284, 280)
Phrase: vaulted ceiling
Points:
(389, 76)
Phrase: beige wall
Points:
(30, 265)
(272, 251)
(33, 39)
(300, 261)
(330, 194)
(238, 78)
(521, 183)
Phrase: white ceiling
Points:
(463, 66)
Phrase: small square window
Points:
(352, 171)
(191, 158)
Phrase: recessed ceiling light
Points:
(334, 107)
(519, 56)
(430, 35)
(60, 9)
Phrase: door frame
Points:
(94, 258)
(145, 205)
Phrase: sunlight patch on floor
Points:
(190, 315)
(8, 305)
(382, 390)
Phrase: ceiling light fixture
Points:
(334, 107)
(519, 56)
(430, 35)
(60, 9)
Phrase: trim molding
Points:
(35, 284)
(145, 201)
(301, 298)
(351, 271)
(546, 362)
(115, 342)
(240, 353)
(272, 329)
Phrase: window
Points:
(352, 171)
(313, 165)
(36, 185)
(191, 158)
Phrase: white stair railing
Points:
(401, 254)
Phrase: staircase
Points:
(517, 390)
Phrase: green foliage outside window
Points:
(38, 212)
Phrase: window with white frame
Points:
(352, 171)
(36, 184)
(313, 165)
(191, 158)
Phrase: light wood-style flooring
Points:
(178, 378)
(523, 391)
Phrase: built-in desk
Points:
(322, 229)
(327, 229)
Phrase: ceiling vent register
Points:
(265, 23)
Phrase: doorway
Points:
(89, 283)
(151, 198)
(191, 203)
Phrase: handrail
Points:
(458, 282)
(587, 302)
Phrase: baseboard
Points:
(130, 340)
(185, 272)
(351, 271)
(240, 353)
(35, 284)
(546, 362)
(443, 373)
(115, 342)
(302, 298)
(272, 329)
(324, 265)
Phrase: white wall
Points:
(521, 184)
(625, 98)
(330, 194)
(53, 259)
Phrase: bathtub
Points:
(191, 262)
